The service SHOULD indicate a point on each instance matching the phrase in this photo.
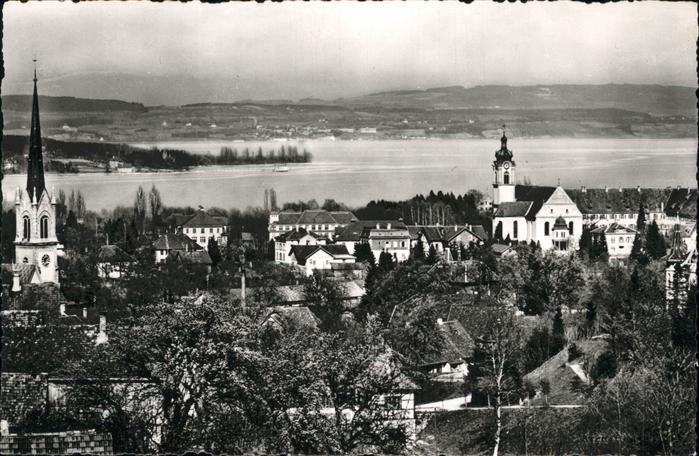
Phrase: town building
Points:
(201, 227)
(387, 237)
(447, 241)
(450, 362)
(113, 262)
(311, 258)
(167, 244)
(283, 243)
(619, 239)
(321, 222)
(36, 243)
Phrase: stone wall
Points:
(84, 442)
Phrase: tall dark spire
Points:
(504, 154)
(35, 165)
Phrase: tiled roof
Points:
(385, 233)
(177, 219)
(613, 201)
(303, 252)
(682, 202)
(176, 241)
(202, 219)
(499, 249)
(290, 318)
(353, 231)
(296, 235)
(197, 257)
(457, 345)
(613, 228)
(513, 209)
(316, 217)
(113, 254)
(26, 272)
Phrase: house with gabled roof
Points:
(113, 262)
(321, 222)
(201, 227)
(319, 257)
(450, 362)
(283, 243)
(444, 239)
(619, 239)
(169, 243)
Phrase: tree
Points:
(497, 236)
(326, 299)
(641, 219)
(586, 241)
(498, 341)
(214, 251)
(156, 206)
(558, 331)
(363, 253)
(140, 208)
(385, 262)
(655, 242)
(432, 256)
(418, 252)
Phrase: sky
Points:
(176, 53)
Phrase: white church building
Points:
(526, 213)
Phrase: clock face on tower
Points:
(506, 165)
(45, 260)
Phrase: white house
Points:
(113, 262)
(283, 243)
(619, 239)
(202, 226)
(321, 222)
(170, 243)
(319, 257)
(445, 238)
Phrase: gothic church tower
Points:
(35, 210)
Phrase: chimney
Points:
(620, 189)
(606, 189)
(85, 313)
(388, 226)
(583, 189)
(61, 309)
(378, 225)
(638, 188)
(16, 285)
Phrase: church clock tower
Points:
(35, 210)
(503, 174)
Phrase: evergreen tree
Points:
(432, 257)
(641, 219)
(558, 331)
(214, 252)
(497, 236)
(363, 253)
(585, 242)
(418, 252)
(385, 262)
(655, 243)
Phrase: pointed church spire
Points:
(35, 165)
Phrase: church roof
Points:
(35, 162)
(616, 201)
(560, 224)
(503, 154)
(537, 195)
(513, 209)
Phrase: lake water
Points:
(355, 172)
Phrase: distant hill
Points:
(653, 99)
(23, 103)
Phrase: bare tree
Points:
(499, 342)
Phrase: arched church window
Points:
(514, 229)
(570, 228)
(26, 233)
(546, 229)
(44, 227)
(506, 178)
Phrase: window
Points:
(570, 228)
(546, 229)
(211, 230)
(27, 229)
(44, 227)
(514, 229)
(402, 244)
(506, 178)
(566, 211)
(201, 230)
(202, 239)
(611, 239)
